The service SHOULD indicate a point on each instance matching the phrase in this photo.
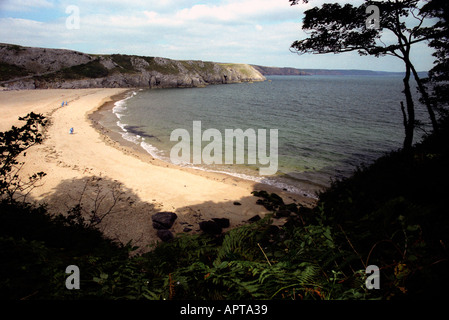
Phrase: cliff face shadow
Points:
(114, 209)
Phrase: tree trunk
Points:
(410, 123)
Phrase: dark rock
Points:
(255, 218)
(210, 227)
(165, 235)
(271, 201)
(186, 229)
(236, 203)
(222, 222)
(292, 207)
(275, 199)
(163, 220)
(282, 213)
(272, 197)
(262, 194)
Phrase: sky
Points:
(231, 31)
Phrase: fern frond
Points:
(240, 243)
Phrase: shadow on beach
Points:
(124, 217)
(114, 209)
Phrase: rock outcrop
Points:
(33, 68)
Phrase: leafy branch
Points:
(13, 143)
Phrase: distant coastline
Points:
(288, 71)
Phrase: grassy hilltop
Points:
(29, 68)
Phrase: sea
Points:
(327, 125)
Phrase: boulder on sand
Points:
(222, 222)
(165, 235)
(163, 220)
(210, 227)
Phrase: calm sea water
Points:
(327, 125)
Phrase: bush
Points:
(92, 69)
(10, 71)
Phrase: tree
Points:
(335, 29)
(439, 75)
(13, 143)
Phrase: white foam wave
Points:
(153, 151)
(263, 180)
(120, 106)
(122, 126)
(118, 109)
(130, 137)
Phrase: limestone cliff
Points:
(33, 68)
(275, 71)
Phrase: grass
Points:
(9, 71)
(169, 67)
(124, 62)
(92, 69)
(241, 68)
(201, 67)
(13, 47)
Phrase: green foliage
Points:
(13, 143)
(394, 213)
(93, 69)
(241, 68)
(201, 67)
(169, 67)
(13, 47)
(124, 62)
(437, 82)
(10, 71)
(36, 248)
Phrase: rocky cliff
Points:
(275, 71)
(34, 68)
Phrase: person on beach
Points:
(71, 130)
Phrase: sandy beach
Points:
(94, 168)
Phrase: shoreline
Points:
(116, 140)
(93, 164)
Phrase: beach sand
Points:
(94, 168)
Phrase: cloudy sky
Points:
(242, 31)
